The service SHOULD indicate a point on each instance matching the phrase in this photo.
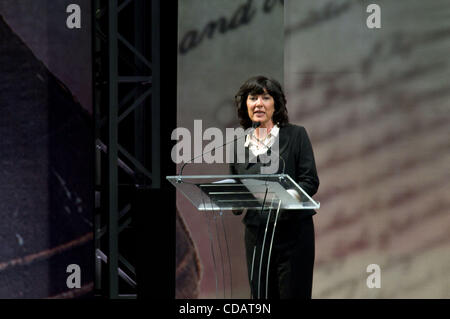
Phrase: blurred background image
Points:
(46, 150)
(375, 103)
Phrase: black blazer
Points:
(296, 150)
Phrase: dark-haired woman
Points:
(262, 100)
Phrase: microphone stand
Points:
(255, 125)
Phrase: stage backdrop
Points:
(221, 44)
(376, 105)
(46, 143)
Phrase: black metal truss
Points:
(126, 73)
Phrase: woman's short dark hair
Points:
(257, 85)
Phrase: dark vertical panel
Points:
(112, 152)
(156, 103)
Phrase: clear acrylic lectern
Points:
(221, 193)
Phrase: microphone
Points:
(255, 125)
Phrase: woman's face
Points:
(261, 108)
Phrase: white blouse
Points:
(260, 146)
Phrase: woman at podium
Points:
(261, 103)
